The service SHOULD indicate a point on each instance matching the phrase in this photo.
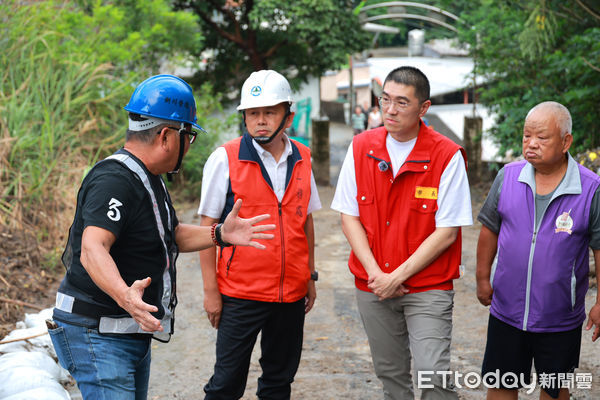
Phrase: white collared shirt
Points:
(215, 179)
(454, 196)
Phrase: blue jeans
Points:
(106, 367)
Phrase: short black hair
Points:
(411, 76)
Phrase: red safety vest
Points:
(280, 273)
(398, 213)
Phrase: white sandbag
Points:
(39, 319)
(36, 343)
(33, 359)
(42, 393)
(21, 379)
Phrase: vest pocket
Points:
(364, 199)
(421, 218)
(424, 206)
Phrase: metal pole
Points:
(350, 91)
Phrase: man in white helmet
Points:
(247, 292)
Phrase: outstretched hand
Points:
(243, 231)
(138, 309)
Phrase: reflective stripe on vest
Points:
(128, 324)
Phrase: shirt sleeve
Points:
(489, 215)
(314, 203)
(215, 182)
(344, 199)
(594, 227)
(109, 201)
(454, 195)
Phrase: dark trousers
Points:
(281, 326)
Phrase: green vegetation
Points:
(65, 75)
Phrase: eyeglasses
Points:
(385, 102)
(182, 131)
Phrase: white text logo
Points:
(113, 212)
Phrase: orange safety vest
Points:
(398, 213)
(280, 273)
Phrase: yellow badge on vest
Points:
(423, 192)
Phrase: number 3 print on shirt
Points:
(113, 212)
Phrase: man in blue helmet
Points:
(119, 288)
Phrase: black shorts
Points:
(511, 350)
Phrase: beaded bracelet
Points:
(219, 239)
(213, 227)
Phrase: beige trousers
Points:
(417, 326)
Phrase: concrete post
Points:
(320, 150)
(472, 141)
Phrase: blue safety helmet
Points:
(166, 97)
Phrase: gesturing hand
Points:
(242, 231)
(138, 309)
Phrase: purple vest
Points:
(541, 276)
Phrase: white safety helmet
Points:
(265, 88)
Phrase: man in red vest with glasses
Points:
(403, 195)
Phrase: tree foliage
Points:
(536, 51)
(298, 38)
(130, 34)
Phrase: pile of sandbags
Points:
(28, 368)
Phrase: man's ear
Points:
(424, 107)
(163, 136)
(290, 119)
(567, 142)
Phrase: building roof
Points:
(446, 75)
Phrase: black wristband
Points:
(220, 240)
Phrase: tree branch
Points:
(206, 18)
(224, 10)
(571, 13)
(21, 303)
(587, 8)
(25, 338)
(273, 49)
(592, 66)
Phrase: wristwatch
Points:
(314, 276)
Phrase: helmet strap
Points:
(269, 139)
(179, 159)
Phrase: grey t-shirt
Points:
(489, 216)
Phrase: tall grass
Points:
(61, 110)
(58, 113)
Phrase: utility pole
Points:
(350, 91)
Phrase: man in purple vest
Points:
(539, 219)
